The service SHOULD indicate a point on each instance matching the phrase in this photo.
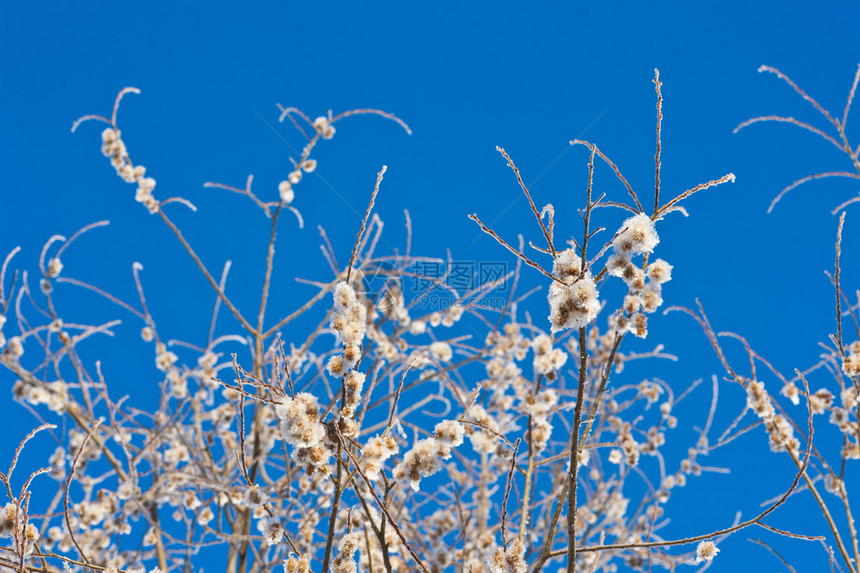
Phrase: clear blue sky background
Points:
(466, 76)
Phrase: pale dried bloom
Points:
(309, 165)
(706, 551)
(297, 564)
(300, 421)
(781, 435)
(147, 334)
(791, 392)
(540, 403)
(573, 306)
(322, 125)
(510, 560)
(441, 351)
(421, 461)
(632, 303)
(832, 484)
(638, 325)
(353, 383)
(639, 235)
(659, 272)
(285, 191)
(349, 318)
(54, 267)
(335, 366)
(377, 450)
(652, 298)
(820, 401)
(253, 497)
(273, 531)
(759, 402)
(314, 459)
(839, 418)
(567, 266)
(205, 516)
(164, 359)
(295, 176)
(15, 348)
(617, 264)
(547, 359)
(449, 434)
(8, 520)
(851, 364)
(345, 560)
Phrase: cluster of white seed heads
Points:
(637, 236)
(349, 320)
(344, 562)
(573, 301)
(114, 148)
(425, 457)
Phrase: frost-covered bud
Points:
(127, 173)
(345, 560)
(164, 359)
(54, 267)
(706, 551)
(441, 351)
(322, 125)
(632, 303)
(300, 421)
(449, 435)
(351, 354)
(353, 383)
(254, 497)
(510, 560)
(147, 334)
(285, 190)
(273, 531)
(851, 365)
(541, 344)
(638, 325)
(335, 366)
(8, 520)
(15, 347)
(350, 316)
(638, 235)
(652, 298)
(421, 461)
(377, 450)
(567, 265)
(110, 135)
(147, 184)
(791, 392)
(297, 564)
(633, 277)
(344, 295)
(758, 401)
(617, 263)
(659, 272)
(573, 306)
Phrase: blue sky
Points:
(466, 77)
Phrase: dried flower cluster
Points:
(395, 438)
